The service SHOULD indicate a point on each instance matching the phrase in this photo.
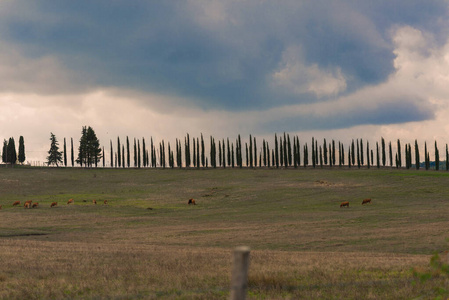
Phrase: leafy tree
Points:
(89, 152)
(21, 156)
(54, 155)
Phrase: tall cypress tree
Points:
(333, 153)
(21, 156)
(353, 153)
(313, 153)
(228, 147)
(11, 153)
(250, 151)
(417, 162)
(112, 155)
(358, 154)
(377, 155)
(135, 153)
(426, 157)
(64, 153)
(437, 157)
(128, 153)
(203, 155)
(255, 152)
(104, 154)
(384, 158)
(119, 153)
(5, 152)
(361, 152)
(367, 154)
(276, 150)
(390, 150)
(447, 159)
(399, 154)
(324, 152)
(138, 154)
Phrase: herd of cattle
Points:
(346, 203)
(30, 204)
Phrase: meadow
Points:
(148, 243)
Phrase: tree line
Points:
(223, 153)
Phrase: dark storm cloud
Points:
(223, 54)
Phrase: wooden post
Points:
(239, 280)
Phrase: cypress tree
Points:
(11, 153)
(286, 160)
(64, 153)
(268, 154)
(361, 152)
(138, 154)
(353, 153)
(228, 152)
(250, 151)
(104, 154)
(391, 154)
(21, 156)
(247, 158)
(321, 157)
(437, 157)
(399, 154)
(119, 152)
(144, 150)
(313, 153)
(378, 158)
(306, 155)
(123, 156)
(255, 152)
(324, 153)
(135, 153)
(333, 153)
(240, 155)
(276, 150)
(447, 158)
(198, 152)
(330, 155)
(384, 158)
(281, 152)
(128, 154)
(112, 155)
(220, 154)
(426, 157)
(358, 154)
(264, 153)
(203, 155)
(194, 153)
(232, 155)
(417, 162)
(342, 154)
(367, 154)
(5, 151)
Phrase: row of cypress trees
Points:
(287, 152)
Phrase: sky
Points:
(336, 69)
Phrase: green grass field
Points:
(147, 243)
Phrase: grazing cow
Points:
(191, 201)
(35, 204)
(29, 202)
(53, 204)
(105, 202)
(16, 203)
(365, 201)
(94, 201)
(26, 205)
(343, 204)
(70, 201)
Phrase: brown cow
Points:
(70, 201)
(29, 202)
(53, 204)
(191, 201)
(343, 204)
(94, 201)
(35, 204)
(26, 205)
(105, 202)
(365, 201)
(16, 203)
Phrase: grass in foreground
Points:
(304, 245)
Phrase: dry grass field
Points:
(147, 243)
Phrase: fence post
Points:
(239, 280)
